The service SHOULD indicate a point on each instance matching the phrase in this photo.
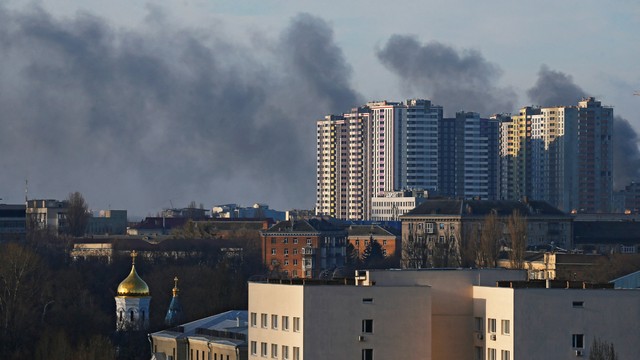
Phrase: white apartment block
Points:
(381, 147)
(439, 314)
(395, 203)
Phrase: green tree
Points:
(77, 214)
(602, 350)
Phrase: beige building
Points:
(480, 314)
(218, 337)
(555, 323)
(322, 320)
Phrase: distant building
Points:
(561, 155)
(303, 248)
(108, 222)
(218, 337)
(13, 225)
(607, 233)
(50, 215)
(396, 203)
(359, 237)
(557, 266)
(156, 226)
(452, 222)
(257, 211)
(191, 213)
(468, 157)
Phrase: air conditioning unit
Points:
(479, 336)
(492, 337)
(579, 353)
(360, 338)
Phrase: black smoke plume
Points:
(554, 88)
(458, 80)
(141, 118)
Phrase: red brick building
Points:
(303, 248)
(359, 237)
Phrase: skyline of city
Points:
(142, 108)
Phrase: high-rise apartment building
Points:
(468, 159)
(561, 155)
(381, 147)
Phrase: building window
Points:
(367, 354)
(506, 327)
(296, 324)
(491, 326)
(367, 326)
(254, 319)
(286, 251)
(430, 228)
(357, 242)
(285, 352)
(384, 242)
(285, 240)
(285, 323)
(254, 348)
(505, 355)
(491, 354)
(263, 320)
(578, 304)
(367, 300)
(273, 240)
(479, 353)
(274, 321)
(273, 251)
(296, 353)
(274, 351)
(577, 341)
(309, 241)
(478, 324)
(441, 226)
(295, 240)
(263, 349)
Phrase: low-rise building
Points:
(13, 225)
(222, 336)
(396, 203)
(439, 314)
(303, 248)
(108, 222)
(359, 237)
(50, 215)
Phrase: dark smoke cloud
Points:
(138, 118)
(456, 80)
(554, 88)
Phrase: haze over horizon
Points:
(163, 106)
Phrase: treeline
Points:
(55, 308)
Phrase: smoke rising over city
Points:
(141, 118)
(554, 88)
(458, 80)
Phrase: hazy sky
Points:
(142, 105)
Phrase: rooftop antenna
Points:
(26, 191)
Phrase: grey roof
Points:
(365, 230)
(230, 327)
(483, 208)
(310, 226)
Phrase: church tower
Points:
(132, 301)
(174, 314)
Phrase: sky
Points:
(147, 105)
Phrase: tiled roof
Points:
(365, 230)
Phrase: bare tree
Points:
(415, 253)
(517, 227)
(602, 350)
(77, 214)
(446, 251)
(470, 245)
(490, 238)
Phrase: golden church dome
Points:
(133, 285)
